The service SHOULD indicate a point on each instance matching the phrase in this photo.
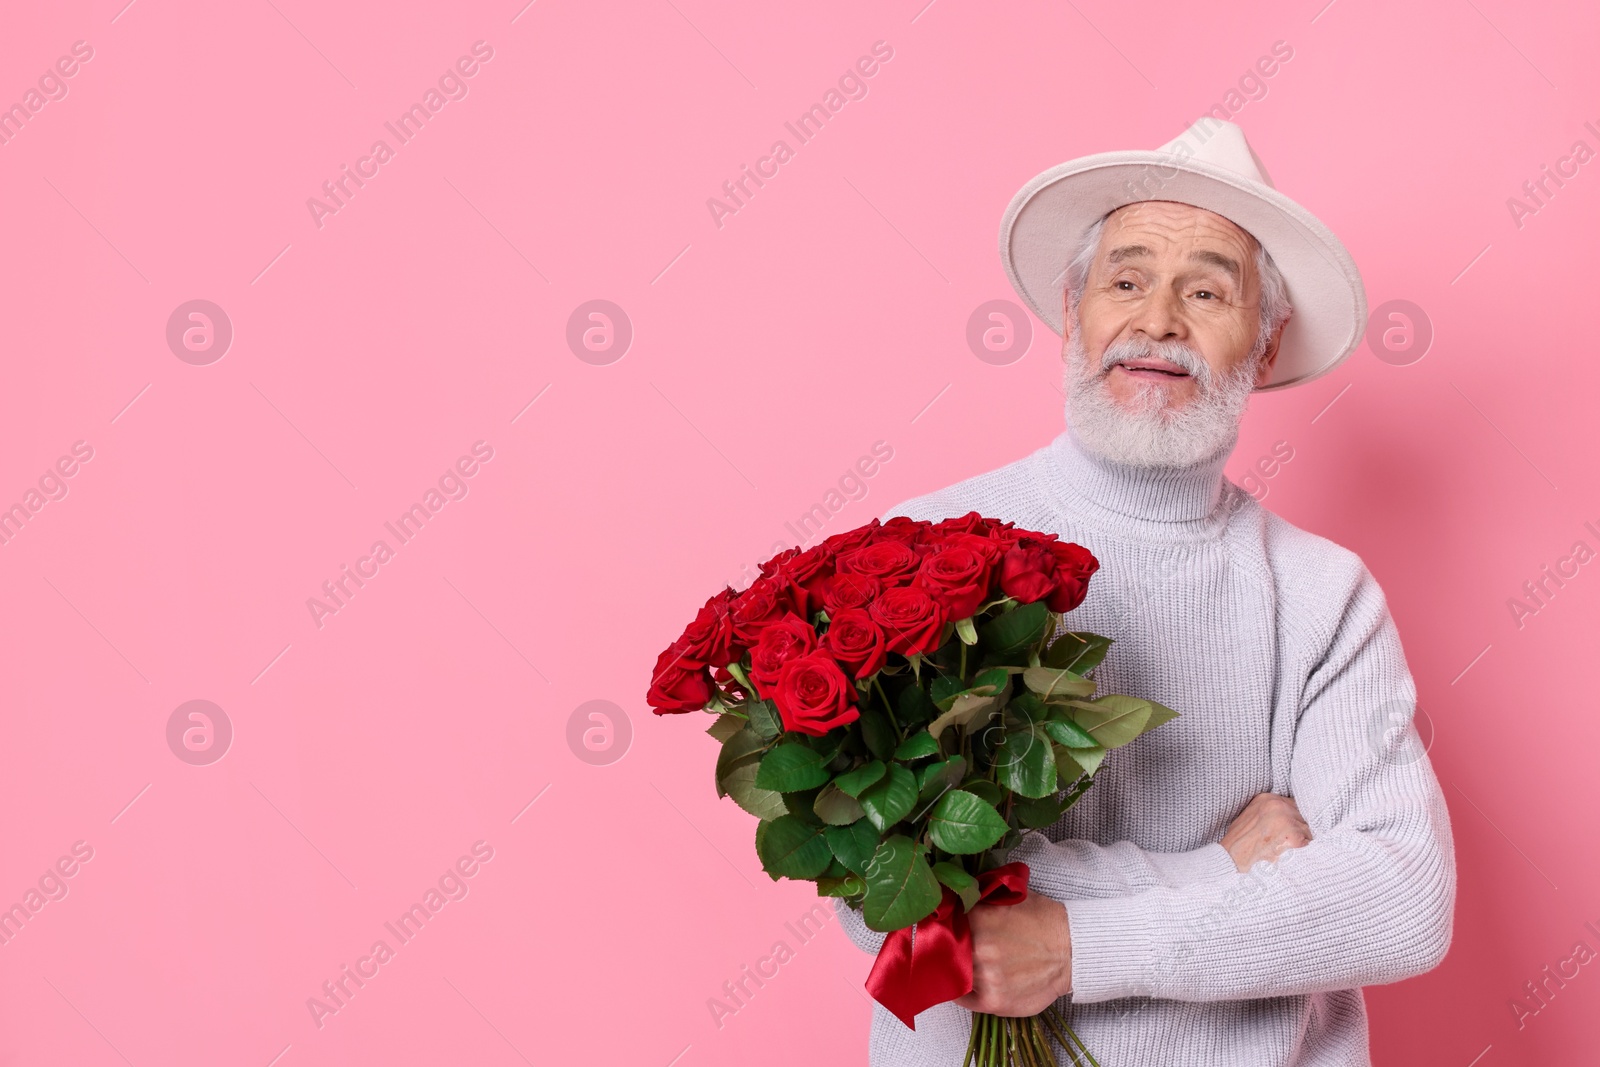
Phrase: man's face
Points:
(1162, 353)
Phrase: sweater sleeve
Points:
(1368, 900)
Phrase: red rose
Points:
(902, 529)
(971, 522)
(1028, 571)
(958, 578)
(841, 543)
(856, 642)
(850, 591)
(805, 573)
(675, 688)
(1074, 565)
(912, 620)
(987, 547)
(789, 638)
(891, 562)
(708, 640)
(814, 696)
(764, 603)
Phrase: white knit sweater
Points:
(1277, 649)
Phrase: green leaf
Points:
(1068, 733)
(1159, 714)
(914, 705)
(1034, 813)
(1080, 652)
(790, 767)
(741, 747)
(725, 727)
(1087, 758)
(1049, 682)
(935, 778)
(966, 631)
(991, 681)
(877, 733)
(828, 745)
(764, 719)
(1029, 706)
(1113, 720)
(958, 882)
(901, 889)
(1025, 764)
(799, 804)
(892, 799)
(964, 710)
(987, 790)
(917, 746)
(963, 824)
(791, 849)
(853, 782)
(737, 766)
(836, 807)
(740, 786)
(1015, 630)
(848, 886)
(943, 687)
(853, 845)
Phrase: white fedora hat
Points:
(1210, 165)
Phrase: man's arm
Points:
(1368, 900)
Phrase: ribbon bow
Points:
(929, 963)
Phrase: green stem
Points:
(972, 1043)
(1041, 1043)
(887, 709)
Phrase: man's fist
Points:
(1021, 957)
(1268, 826)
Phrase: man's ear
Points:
(1270, 356)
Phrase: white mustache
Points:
(1174, 351)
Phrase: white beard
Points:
(1146, 432)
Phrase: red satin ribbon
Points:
(931, 962)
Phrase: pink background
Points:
(768, 354)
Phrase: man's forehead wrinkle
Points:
(1177, 226)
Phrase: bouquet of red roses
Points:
(896, 708)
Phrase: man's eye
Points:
(1206, 293)
(1120, 284)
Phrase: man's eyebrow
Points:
(1117, 255)
(1217, 259)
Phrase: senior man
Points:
(1234, 878)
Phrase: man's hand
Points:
(1267, 827)
(1021, 957)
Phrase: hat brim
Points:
(1042, 225)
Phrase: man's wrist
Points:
(1063, 953)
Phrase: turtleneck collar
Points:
(1182, 496)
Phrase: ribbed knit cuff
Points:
(1113, 949)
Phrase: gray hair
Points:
(1275, 306)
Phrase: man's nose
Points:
(1160, 316)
